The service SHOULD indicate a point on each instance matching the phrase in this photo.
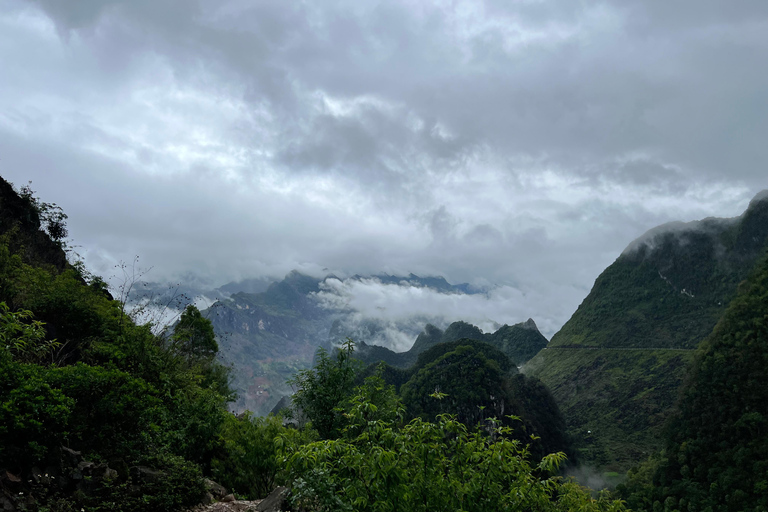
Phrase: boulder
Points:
(275, 502)
(217, 490)
(70, 458)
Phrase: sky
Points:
(517, 145)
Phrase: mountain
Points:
(716, 444)
(617, 365)
(267, 336)
(476, 381)
(519, 342)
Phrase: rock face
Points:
(71, 476)
(274, 502)
(19, 215)
(267, 337)
(616, 366)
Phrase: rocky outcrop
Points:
(275, 502)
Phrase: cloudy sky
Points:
(521, 144)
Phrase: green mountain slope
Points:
(518, 342)
(716, 445)
(96, 400)
(717, 452)
(478, 382)
(616, 366)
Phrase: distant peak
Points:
(529, 324)
(759, 197)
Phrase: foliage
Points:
(374, 400)
(481, 383)
(248, 463)
(424, 466)
(52, 217)
(717, 448)
(193, 335)
(75, 372)
(321, 390)
(33, 414)
(115, 414)
(616, 367)
(175, 484)
(23, 337)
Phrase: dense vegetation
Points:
(478, 382)
(371, 458)
(615, 368)
(99, 413)
(716, 455)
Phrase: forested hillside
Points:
(616, 366)
(98, 413)
(519, 342)
(716, 445)
(95, 409)
(479, 382)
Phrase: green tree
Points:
(320, 391)
(193, 335)
(23, 337)
(426, 466)
(51, 216)
(248, 463)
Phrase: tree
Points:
(426, 466)
(193, 336)
(52, 217)
(321, 390)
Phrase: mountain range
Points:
(267, 336)
(616, 367)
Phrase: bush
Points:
(249, 464)
(115, 412)
(33, 415)
(426, 466)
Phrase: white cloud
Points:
(519, 144)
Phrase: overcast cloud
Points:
(517, 144)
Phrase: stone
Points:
(228, 498)
(216, 489)
(84, 465)
(274, 502)
(71, 457)
(6, 505)
(103, 472)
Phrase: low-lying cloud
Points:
(393, 314)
